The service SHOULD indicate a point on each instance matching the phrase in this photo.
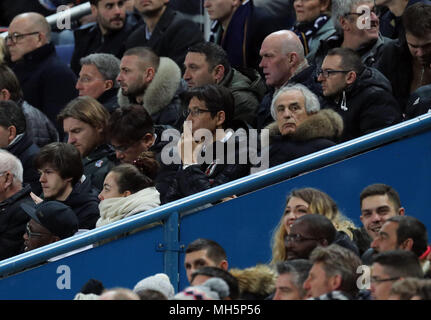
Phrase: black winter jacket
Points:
(12, 223)
(419, 102)
(199, 177)
(98, 164)
(47, 82)
(25, 150)
(368, 105)
(89, 39)
(171, 38)
(318, 132)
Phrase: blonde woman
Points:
(305, 201)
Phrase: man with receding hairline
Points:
(37, 66)
(282, 63)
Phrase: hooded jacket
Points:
(367, 105)
(115, 209)
(162, 96)
(317, 132)
(247, 90)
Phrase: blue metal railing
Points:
(247, 184)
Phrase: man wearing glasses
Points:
(361, 95)
(357, 28)
(389, 267)
(12, 193)
(48, 84)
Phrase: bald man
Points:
(282, 63)
(36, 65)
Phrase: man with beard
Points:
(351, 32)
(379, 202)
(153, 82)
(414, 53)
(108, 35)
(169, 33)
(61, 177)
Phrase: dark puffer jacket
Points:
(12, 223)
(318, 132)
(368, 105)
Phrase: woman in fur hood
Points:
(300, 127)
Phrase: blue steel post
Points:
(171, 252)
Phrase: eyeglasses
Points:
(17, 36)
(88, 79)
(327, 73)
(297, 238)
(373, 10)
(195, 112)
(123, 148)
(33, 234)
(377, 280)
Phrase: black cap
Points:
(58, 218)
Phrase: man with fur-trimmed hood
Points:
(300, 127)
(153, 82)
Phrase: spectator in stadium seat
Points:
(12, 193)
(132, 134)
(97, 78)
(333, 275)
(391, 24)
(201, 275)
(50, 221)
(207, 63)
(304, 201)
(168, 32)
(290, 279)
(207, 130)
(61, 178)
(37, 66)
(404, 233)
(153, 82)
(85, 123)
(352, 33)
(108, 35)
(307, 233)
(300, 127)
(378, 203)
(313, 23)
(414, 52)
(389, 267)
(204, 252)
(240, 27)
(40, 129)
(126, 191)
(15, 139)
(283, 62)
(361, 95)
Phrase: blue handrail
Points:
(247, 184)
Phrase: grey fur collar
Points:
(324, 124)
(161, 90)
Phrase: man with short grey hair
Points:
(290, 279)
(12, 193)
(333, 275)
(352, 31)
(283, 62)
(97, 78)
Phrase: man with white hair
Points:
(283, 62)
(47, 82)
(357, 28)
(13, 219)
(300, 127)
